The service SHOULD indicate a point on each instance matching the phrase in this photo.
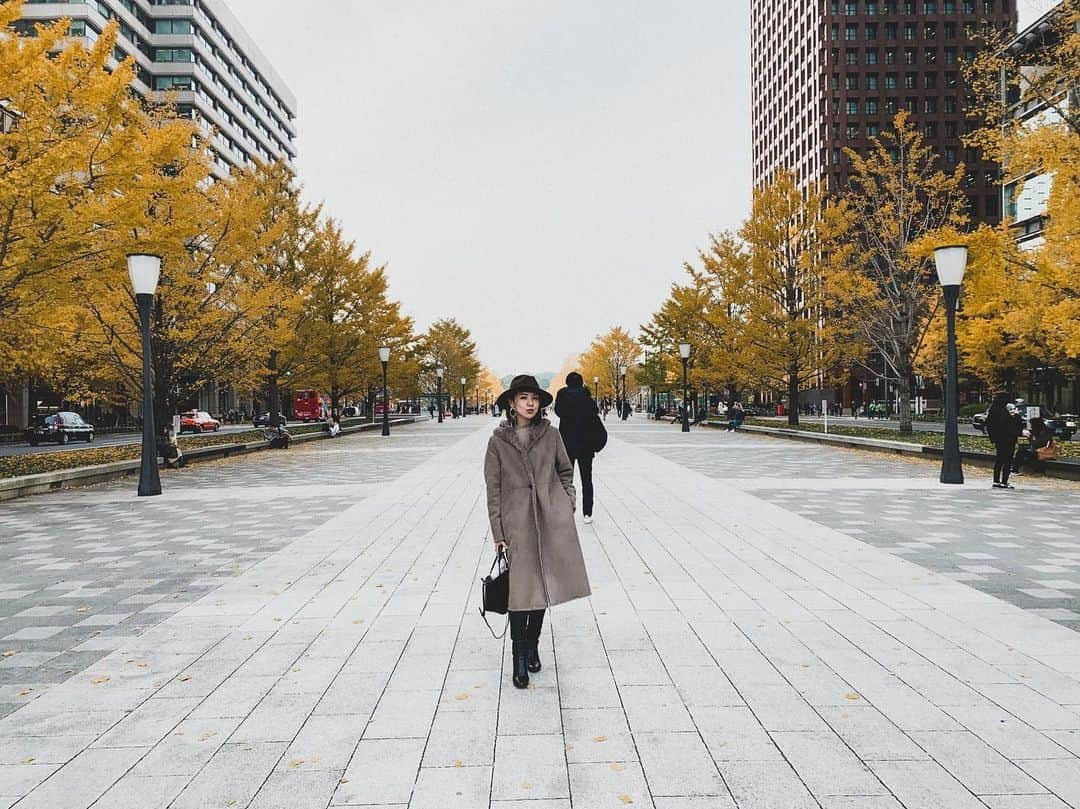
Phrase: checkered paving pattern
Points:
(88, 570)
(1022, 546)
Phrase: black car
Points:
(60, 427)
(264, 420)
(1062, 426)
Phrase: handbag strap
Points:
(502, 634)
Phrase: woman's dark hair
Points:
(1001, 399)
(1037, 425)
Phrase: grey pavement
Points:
(735, 653)
(89, 569)
(1022, 546)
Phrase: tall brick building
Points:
(830, 74)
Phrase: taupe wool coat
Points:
(530, 497)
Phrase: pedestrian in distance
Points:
(1038, 449)
(579, 425)
(531, 504)
(431, 411)
(1003, 428)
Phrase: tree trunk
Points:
(335, 398)
(793, 394)
(904, 391)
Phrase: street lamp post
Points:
(384, 358)
(439, 371)
(621, 397)
(684, 355)
(951, 261)
(144, 271)
(596, 388)
(462, 380)
(477, 400)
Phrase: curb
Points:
(1067, 470)
(11, 488)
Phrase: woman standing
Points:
(1003, 428)
(531, 503)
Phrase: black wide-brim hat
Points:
(523, 383)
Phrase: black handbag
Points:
(597, 433)
(495, 591)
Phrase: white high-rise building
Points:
(197, 49)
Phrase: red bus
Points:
(308, 405)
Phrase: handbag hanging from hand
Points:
(1047, 453)
(495, 591)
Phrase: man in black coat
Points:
(577, 412)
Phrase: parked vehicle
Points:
(62, 428)
(198, 421)
(1062, 425)
(308, 405)
(264, 420)
(350, 412)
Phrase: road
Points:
(112, 440)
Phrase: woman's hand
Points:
(502, 546)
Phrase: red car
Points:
(198, 421)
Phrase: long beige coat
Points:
(530, 497)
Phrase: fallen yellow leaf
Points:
(25, 692)
(184, 678)
(99, 680)
(207, 734)
(296, 762)
(10, 652)
(358, 620)
(526, 785)
(461, 696)
(852, 696)
(82, 609)
(617, 767)
(457, 762)
(599, 738)
(28, 760)
(626, 799)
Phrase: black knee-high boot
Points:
(532, 635)
(520, 645)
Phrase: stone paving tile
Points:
(865, 495)
(71, 589)
(722, 662)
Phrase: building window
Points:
(950, 56)
(950, 106)
(930, 105)
(872, 130)
(890, 81)
(834, 32)
(950, 129)
(173, 27)
(871, 31)
(930, 56)
(834, 82)
(930, 81)
(871, 56)
(930, 131)
(950, 30)
(910, 30)
(950, 155)
(911, 81)
(851, 106)
(851, 32)
(929, 7)
(911, 105)
(890, 56)
(871, 81)
(173, 55)
(871, 8)
(851, 81)
(892, 106)
(911, 56)
(851, 57)
(852, 131)
(871, 106)
(890, 30)
(950, 80)
(851, 8)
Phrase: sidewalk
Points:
(734, 653)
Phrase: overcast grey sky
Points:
(539, 171)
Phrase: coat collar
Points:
(507, 433)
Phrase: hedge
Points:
(13, 466)
(972, 443)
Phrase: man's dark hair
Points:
(574, 380)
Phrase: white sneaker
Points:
(588, 519)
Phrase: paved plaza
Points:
(773, 625)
